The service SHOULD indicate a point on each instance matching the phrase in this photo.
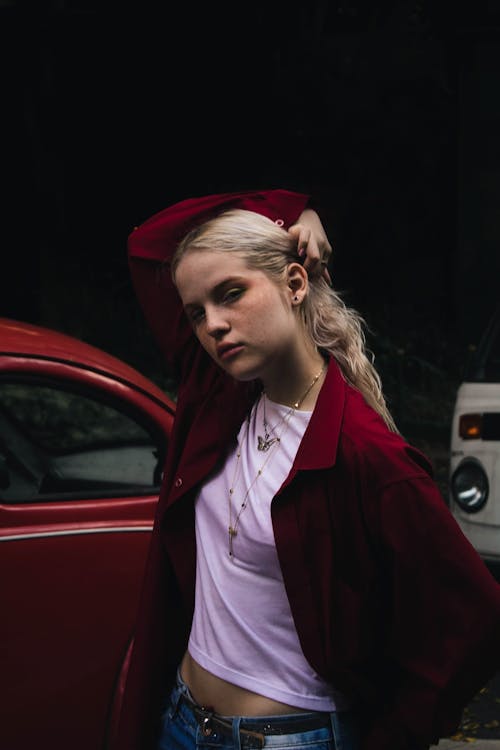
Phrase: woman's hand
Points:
(312, 243)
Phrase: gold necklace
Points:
(232, 528)
(264, 443)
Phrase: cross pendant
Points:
(232, 533)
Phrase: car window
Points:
(56, 442)
(492, 360)
(484, 366)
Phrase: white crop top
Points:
(243, 630)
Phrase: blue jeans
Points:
(182, 729)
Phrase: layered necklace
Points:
(263, 444)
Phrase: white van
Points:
(475, 449)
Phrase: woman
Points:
(306, 584)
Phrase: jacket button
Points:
(178, 482)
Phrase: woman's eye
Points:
(232, 294)
(196, 316)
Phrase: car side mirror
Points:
(4, 473)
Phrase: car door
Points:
(81, 457)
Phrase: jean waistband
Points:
(251, 729)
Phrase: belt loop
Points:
(175, 697)
(336, 730)
(177, 693)
(236, 733)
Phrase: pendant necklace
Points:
(264, 443)
(232, 528)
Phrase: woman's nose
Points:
(215, 322)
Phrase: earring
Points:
(295, 299)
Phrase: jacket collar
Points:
(318, 449)
(210, 433)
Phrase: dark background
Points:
(387, 112)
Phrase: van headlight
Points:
(470, 486)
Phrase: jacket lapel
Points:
(218, 420)
(211, 432)
(318, 449)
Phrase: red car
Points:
(82, 442)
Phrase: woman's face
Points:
(246, 321)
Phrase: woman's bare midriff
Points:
(227, 699)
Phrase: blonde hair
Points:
(333, 327)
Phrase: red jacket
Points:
(390, 601)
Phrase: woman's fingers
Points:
(303, 236)
(312, 244)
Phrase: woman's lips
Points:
(226, 351)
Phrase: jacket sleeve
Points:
(444, 623)
(150, 249)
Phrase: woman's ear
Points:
(297, 282)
